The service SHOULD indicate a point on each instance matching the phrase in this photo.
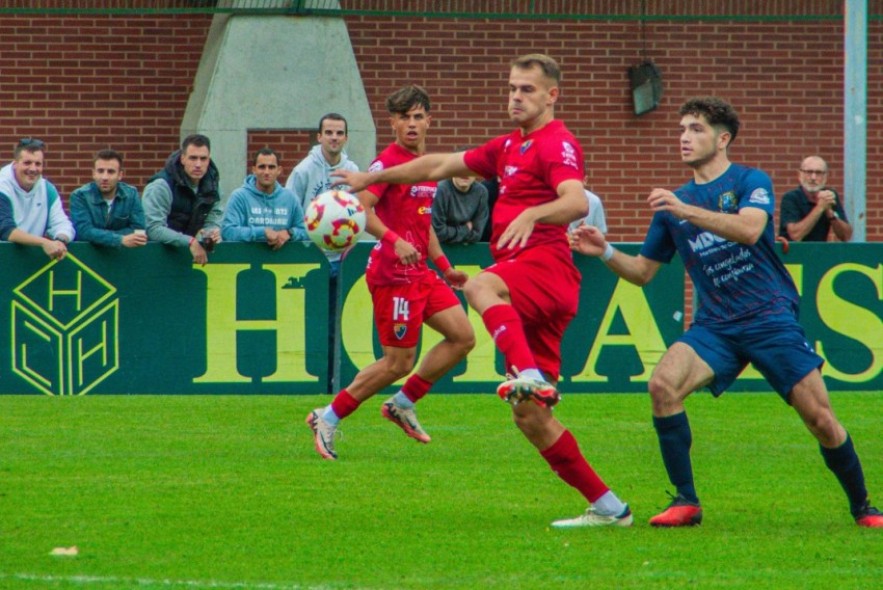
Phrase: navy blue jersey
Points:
(732, 281)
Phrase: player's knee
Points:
(824, 426)
(531, 420)
(662, 391)
(466, 342)
(471, 291)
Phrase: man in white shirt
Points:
(31, 212)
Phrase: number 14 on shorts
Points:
(400, 309)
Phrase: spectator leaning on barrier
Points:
(107, 211)
(30, 206)
(182, 202)
(809, 212)
(262, 210)
(459, 210)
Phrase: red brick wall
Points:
(290, 144)
(83, 83)
(785, 78)
(86, 83)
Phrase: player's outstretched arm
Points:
(588, 240)
(428, 167)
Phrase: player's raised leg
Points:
(488, 294)
(459, 338)
(811, 400)
(679, 372)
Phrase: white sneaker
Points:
(592, 518)
(406, 419)
(323, 434)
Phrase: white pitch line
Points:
(149, 583)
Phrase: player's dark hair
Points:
(333, 117)
(404, 99)
(108, 154)
(549, 66)
(196, 139)
(264, 151)
(718, 113)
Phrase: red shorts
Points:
(400, 310)
(544, 290)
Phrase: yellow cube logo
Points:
(65, 328)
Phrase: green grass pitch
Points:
(226, 492)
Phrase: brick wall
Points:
(83, 83)
(86, 83)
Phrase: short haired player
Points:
(721, 224)
(405, 292)
(529, 296)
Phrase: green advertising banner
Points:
(254, 321)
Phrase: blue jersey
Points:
(732, 281)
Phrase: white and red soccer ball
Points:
(335, 220)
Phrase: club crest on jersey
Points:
(525, 146)
(400, 330)
(727, 202)
(568, 154)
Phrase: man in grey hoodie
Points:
(312, 177)
(262, 210)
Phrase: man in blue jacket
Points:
(107, 211)
(262, 210)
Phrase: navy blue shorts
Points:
(776, 345)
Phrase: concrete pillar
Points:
(275, 72)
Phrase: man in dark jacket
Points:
(182, 203)
(107, 211)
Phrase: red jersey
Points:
(405, 209)
(530, 168)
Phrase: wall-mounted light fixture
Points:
(646, 83)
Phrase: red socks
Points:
(505, 327)
(568, 463)
(416, 387)
(344, 404)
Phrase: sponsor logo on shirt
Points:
(568, 154)
(510, 170)
(760, 196)
(705, 240)
(422, 191)
(424, 211)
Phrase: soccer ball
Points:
(335, 220)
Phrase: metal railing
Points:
(754, 10)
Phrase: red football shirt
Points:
(406, 209)
(529, 169)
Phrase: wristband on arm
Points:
(390, 237)
(608, 253)
(442, 263)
